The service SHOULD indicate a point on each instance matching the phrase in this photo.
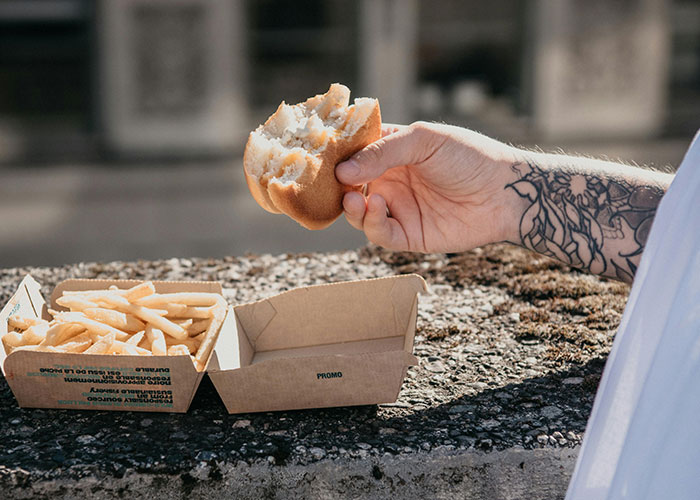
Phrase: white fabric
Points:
(643, 436)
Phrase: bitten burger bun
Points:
(290, 160)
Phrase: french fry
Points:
(11, 340)
(159, 322)
(198, 327)
(177, 350)
(185, 311)
(189, 342)
(60, 333)
(79, 343)
(120, 304)
(155, 336)
(130, 350)
(122, 321)
(80, 337)
(27, 348)
(119, 347)
(184, 323)
(134, 293)
(48, 348)
(75, 302)
(35, 334)
(145, 343)
(139, 291)
(98, 295)
(22, 323)
(187, 298)
(219, 314)
(136, 338)
(103, 345)
(93, 336)
(91, 325)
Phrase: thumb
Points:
(409, 145)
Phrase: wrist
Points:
(509, 206)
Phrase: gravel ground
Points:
(511, 348)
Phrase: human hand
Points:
(430, 188)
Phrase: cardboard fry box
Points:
(97, 381)
(330, 345)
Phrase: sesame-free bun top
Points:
(290, 160)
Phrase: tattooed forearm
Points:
(589, 221)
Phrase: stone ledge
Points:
(509, 474)
(511, 347)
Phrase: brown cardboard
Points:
(97, 382)
(329, 345)
(320, 346)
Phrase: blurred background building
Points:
(122, 123)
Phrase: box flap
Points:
(411, 327)
(330, 314)
(232, 347)
(27, 301)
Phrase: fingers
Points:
(399, 146)
(370, 216)
(391, 128)
(354, 205)
(381, 229)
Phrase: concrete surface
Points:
(513, 474)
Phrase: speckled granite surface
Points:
(511, 347)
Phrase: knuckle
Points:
(371, 154)
(421, 128)
(424, 133)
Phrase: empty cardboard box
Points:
(328, 345)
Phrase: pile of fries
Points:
(135, 321)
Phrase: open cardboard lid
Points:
(355, 338)
(62, 380)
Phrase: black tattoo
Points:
(572, 215)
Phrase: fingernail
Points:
(348, 169)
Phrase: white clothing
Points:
(643, 436)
